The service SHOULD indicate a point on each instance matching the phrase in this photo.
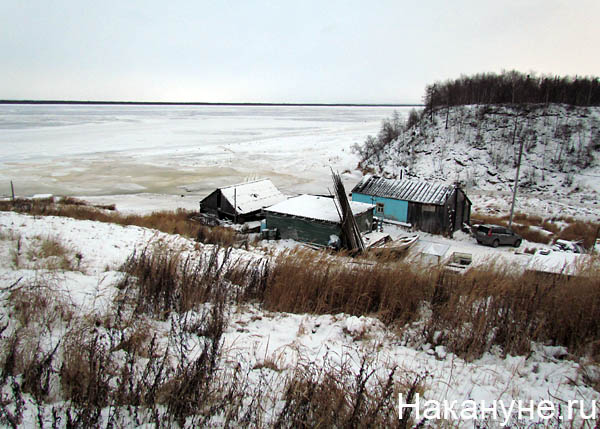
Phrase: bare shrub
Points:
(161, 281)
(51, 254)
(85, 374)
(414, 116)
(192, 391)
(32, 362)
(333, 395)
(12, 405)
(38, 303)
(136, 337)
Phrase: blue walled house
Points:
(426, 206)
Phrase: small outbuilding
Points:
(314, 219)
(554, 263)
(430, 207)
(242, 202)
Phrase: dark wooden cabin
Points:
(430, 207)
(242, 202)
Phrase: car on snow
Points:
(495, 235)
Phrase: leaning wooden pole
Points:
(351, 236)
(12, 190)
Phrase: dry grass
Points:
(101, 363)
(120, 367)
(492, 306)
(219, 235)
(85, 374)
(171, 222)
(532, 234)
(51, 254)
(38, 303)
(302, 281)
(161, 281)
(332, 395)
(23, 355)
(135, 335)
(15, 253)
(585, 231)
(488, 306)
(43, 254)
(528, 227)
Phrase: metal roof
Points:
(406, 190)
(251, 196)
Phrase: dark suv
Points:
(494, 235)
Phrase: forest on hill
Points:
(513, 87)
(472, 128)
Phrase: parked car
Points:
(495, 235)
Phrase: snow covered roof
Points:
(251, 196)
(554, 262)
(406, 190)
(431, 248)
(316, 207)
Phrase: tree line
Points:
(513, 87)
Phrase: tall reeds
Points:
(490, 305)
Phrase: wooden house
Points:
(314, 219)
(426, 206)
(241, 202)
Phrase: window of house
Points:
(379, 208)
(428, 208)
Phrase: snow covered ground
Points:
(106, 150)
(161, 158)
(255, 337)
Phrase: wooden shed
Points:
(314, 219)
(430, 207)
(241, 202)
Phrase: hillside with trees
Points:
(469, 132)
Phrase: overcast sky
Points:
(282, 51)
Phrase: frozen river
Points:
(124, 149)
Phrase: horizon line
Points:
(207, 103)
